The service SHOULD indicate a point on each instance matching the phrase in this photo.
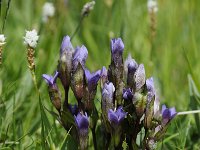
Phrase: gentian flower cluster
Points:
(129, 103)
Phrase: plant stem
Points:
(94, 138)
(77, 28)
(5, 18)
(188, 112)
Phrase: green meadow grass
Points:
(175, 65)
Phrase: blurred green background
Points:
(169, 58)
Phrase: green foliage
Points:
(26, 124)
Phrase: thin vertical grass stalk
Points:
(153, 25)
(6, 15)
(0, 7)
(1, 50)
(78, 27)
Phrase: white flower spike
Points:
(31, 38)
(48, 11)
(152, 6)
(2, 39)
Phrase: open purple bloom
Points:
(150, 88)
(116, 117)
(117, 45)
(80, 56)
(66, 45)
(168, 114)
(54, 92)
(92, 79)
(49, 79)
(82, 121)
(127, 94)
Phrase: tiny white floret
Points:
(2, 39)
(31, 38)
(48, 11)
(152, 6)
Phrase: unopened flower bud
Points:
(65, 62)
(78, 73)
(107, 98)
(115, 72)
(78, 82)
(104, 76)
(80, 56)
(139, 77)
(140, 102)
(150, 89)
(127, 94)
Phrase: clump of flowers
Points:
(129, 104)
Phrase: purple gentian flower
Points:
(54, 92)
(49, 79)
(117, 45)
(108, 91)
(150, 88)
(168, 114)
(130, 64)
(92, 79)
(65, 62)
(127, 94)
(82, 121)
(80, 56)
(139, 77)
(66, 45)
(116, 117)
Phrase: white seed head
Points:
(48, 11)
(31, 38)
(88, 7)
(152, 6)
(2, 39)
